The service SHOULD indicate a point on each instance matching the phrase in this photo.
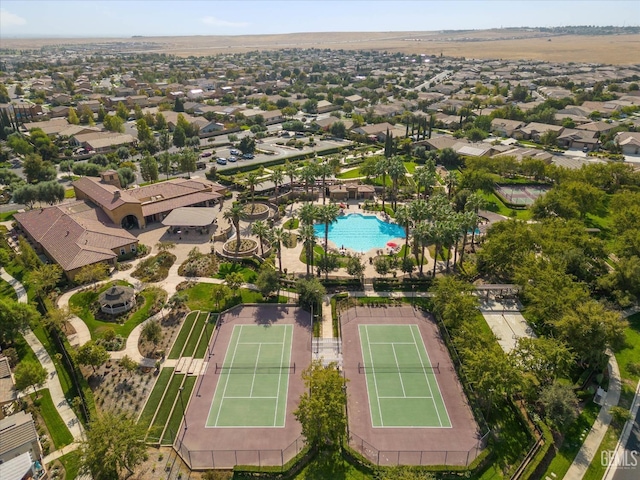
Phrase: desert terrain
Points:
(496, 43)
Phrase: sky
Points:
(114, 18)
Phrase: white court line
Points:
(246, 398)
(261, 343)
(425, 374)
(392, 343)
(396, 398)
(226, 383)
(255, 369)
(275, 413)
(404, 394)
(375, 382)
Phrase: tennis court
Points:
(401, 380)
(254, 378)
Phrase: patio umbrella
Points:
(342, 205)
(392, 244)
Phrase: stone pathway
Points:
(52, 382)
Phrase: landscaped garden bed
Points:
(199, 264)
(86, 306)
(154, 269)
(247, 247)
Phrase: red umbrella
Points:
(342, 205)
(392, 244)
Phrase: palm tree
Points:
(308, 213)
(308, 175)
(260, 230)
(327, 214)
(422, 234)
(396, 171)
(475, 202)
(307, 235)
(291, 171)
(437, 237)
(278, 236)
(452, 183)
(381, 169)
(252, 181)
(324, 170)
(403, 217)
(425, 177)
(234, 214)
(277, 177)
(468, 221)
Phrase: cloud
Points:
(216, 22)
(8, 19)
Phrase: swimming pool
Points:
(360, 232)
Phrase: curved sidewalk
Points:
(591, 444)
(53, 382)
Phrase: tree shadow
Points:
(326, 465)
(269, 314)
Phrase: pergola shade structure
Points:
(117, 299)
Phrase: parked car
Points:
(233, 159)
(585, 149)
(247, 156)
(206, 154)
(235, 152)
(221, 161)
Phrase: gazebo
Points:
(117, 299)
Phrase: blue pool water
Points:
(360, 232)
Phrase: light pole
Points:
(413, 295)
(184, 413)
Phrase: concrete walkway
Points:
(52, 382)
(61, 452)
(591, 444)
(506, 322)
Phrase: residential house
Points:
(572, 138)
(534, 130)
(377, 131)
(629, 142)
(94, 105)
(50, 127)
(103, 142)
(59, 112)
(140, 100)
(598, 127)
(325, 106)
(18, 435)
(7, 390)
(22, 467)
(505, 127)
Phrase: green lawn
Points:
(204, 341)
(331, 465)
(597, 470)
(201, 298)
(194, 338)
(7, 291)
(164, 409)
(25, 354)
(631, 352)
(573, 441)
(176, 350)
(71, 464)
(494, 204)
(355, 173)
(81, 303)
(176, 417)
(60, 434)
(410, 166)
(155, 397)
(70, 193)
(291, 224)
(6, 216)
(227, 268)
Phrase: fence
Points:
(207, 459)
(389, 458)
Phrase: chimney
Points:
(67, 233)
(116, 194)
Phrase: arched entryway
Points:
(129, 222)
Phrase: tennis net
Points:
(246, 368)
(398, 368)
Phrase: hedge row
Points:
(288, 470)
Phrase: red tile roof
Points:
(74, 234)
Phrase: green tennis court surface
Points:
(401, 382)
(254, 378)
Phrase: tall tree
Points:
(381, 168)
(114, 446)
(92, 354)
(321, 410)
(30, 374)
(251, 182)
(260, 230)
(277, 177)
(188, 161)
(327, 214)
(403, 217)
(149, 168)
(234, 214)
(396, 171)
(307, 235)
(15, 317)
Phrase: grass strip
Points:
(206, 338)
(165, 407)
(176, 350)
(176, 417)
(71, 464)
(156, 396)
(195, 335)
(60, 434)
